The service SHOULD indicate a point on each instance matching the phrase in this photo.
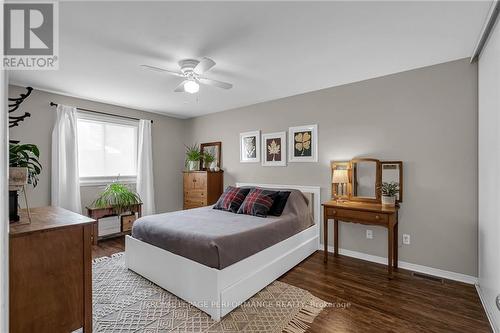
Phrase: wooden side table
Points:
(363, 213)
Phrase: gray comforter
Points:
(219, 239)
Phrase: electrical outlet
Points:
(369, 234)
(406, 239)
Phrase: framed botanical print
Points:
(303, 143)
(274, 149)
(250, 147)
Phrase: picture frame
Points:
(215, 148)
(303, 143)
(250, 147)
(274, 149)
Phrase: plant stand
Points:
(97, 213)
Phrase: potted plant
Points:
(117, 196)
(389, 191)
(23, 160)
(193, 157)
(209, 161)
(24, 168)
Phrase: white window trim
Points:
(99, 181)
(105, 180)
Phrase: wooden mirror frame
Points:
(208, 144)
(334, 165)
(378, 180)
(400, 164)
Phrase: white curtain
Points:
(145, 187)
(65, 176)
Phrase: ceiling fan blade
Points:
(204, 65)
(161, 70)
(215, 83)
(180, 87)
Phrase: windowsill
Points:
(103, 181)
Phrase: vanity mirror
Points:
(365, 176)
(392, 172)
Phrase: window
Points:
(107, 147)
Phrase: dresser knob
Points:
(334, 212)
(377, 217)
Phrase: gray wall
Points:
(168, 146)
(425, 117)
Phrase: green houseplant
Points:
(209, 160)
(118, 196)
(25, 156)
(193, 157)
(389, 192)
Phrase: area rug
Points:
(123, 301)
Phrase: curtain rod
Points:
(99, 112)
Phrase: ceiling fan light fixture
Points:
(191, 87)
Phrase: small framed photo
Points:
(303, 143)
(274, 149)
(250, 147)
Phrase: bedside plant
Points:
(209, 160)
(117, 196)
(389, 191)
(193, 157)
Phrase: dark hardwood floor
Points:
(365, 300)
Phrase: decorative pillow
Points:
(258, 202)
(231, 199)
(279, 203)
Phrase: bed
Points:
(216, 260)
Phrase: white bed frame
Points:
(218, 292)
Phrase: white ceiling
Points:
(267, 50)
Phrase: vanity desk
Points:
(364, 213)
(357, 198)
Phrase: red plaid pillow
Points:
(231, 199)
(258, 202)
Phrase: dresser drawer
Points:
(357, 216)
(195, 202)
(195, 195)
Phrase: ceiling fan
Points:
(191, 70)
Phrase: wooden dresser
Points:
(50, 272)
(202, 188)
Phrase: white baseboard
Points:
(409, 266)
(488, 308)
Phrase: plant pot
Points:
(193, 165)
(18, 177)
(212, 166)
(388, 201)
(13, 204)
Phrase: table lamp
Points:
(340, 177)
